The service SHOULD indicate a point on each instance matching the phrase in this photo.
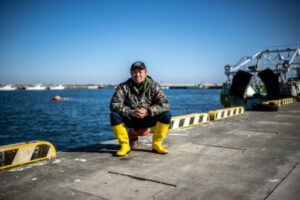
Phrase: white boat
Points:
(58, 87)
(165, 87)
(92, 87)
(36, 87)
(7, 88)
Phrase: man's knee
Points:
(165, 117)
(115, 119)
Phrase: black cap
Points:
(138, 65)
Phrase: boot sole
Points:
(122, 155)
(154, 151)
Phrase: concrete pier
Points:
(252, 156)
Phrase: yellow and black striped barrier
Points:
(24, 153)
(287, 101)
(188, 120)
(276, 102)
(280, 102)
(226, 113)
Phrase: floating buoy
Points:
(56, 98)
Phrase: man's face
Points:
(138, 76)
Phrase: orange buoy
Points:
(56, 98)
(140, 132)
(134, 135)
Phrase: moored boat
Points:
(7, 88)
(36, 87)
(268, 74)
(57, 87)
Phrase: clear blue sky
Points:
(95, 41)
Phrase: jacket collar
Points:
(143, 87)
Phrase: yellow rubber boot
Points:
(122, 135)
(160, 133)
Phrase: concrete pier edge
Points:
(252, 156)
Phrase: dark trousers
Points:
(136, 123)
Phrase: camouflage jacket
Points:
(149, 95)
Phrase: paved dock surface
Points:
(253, 156)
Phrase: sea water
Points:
(82, 117)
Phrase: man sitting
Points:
(140, 103)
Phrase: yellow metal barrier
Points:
(287, 101)
(225, 113)
(275, 102)
(24, 153)
(280, 102)
(188, 120)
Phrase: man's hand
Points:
(140, 113)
